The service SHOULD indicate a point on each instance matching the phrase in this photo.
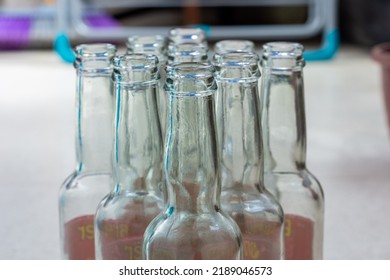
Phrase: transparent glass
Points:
(192, 226)
(226, 46)
(82, 191)
(151, 44)
(182, 35)
(284, 131)
(136, 199)
(187, 52)
(156, 45)
(255, 210)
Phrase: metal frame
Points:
(321, 18)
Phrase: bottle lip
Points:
(98, 50)
(237, 59)
(283, 56)
(135, 61)
(94, 59)
(190, 70)
(195, 73)
(146, 42)
(179, 35)
(187, 50)
(238, 67)
(135, 69)
(234, 46)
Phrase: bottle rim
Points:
(239, 46)
(148, 42)
(283, 56)
(179, 35)
(126, 65)
(97, 50)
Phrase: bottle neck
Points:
(94, 120)
(138, 142)
(191, 161)
(239, 129)
(284, 125)
(191, 157)
(241, 145)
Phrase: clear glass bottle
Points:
(192, 226)
(136, 199)
(156, 45)
(255, 210)
(82, 191)
(284, 134)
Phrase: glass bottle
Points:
(284, 131)
(156, 45)
(192, 226)
(90, 182)
(255, 210)
(136, 199)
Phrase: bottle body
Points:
(122, 217)
(91, 181)
(255, 210)
(284, 130)
(192, 226)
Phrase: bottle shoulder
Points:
(130, 203)
(87, 182)
(300, 181)
(250, 201)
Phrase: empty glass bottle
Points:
(284, 131)
(122, 216)
(91, 181)
(255, 210)
(192, 226)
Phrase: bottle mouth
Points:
(238, 67)
(187, 50)
(190, 70)
(95, 50)
(186, 35)
(190, 79)
(149, 43)
(283, 55)
(226, 46)
(135, 68)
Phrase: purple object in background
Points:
(14, 32)
(100, 21)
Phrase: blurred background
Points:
(36, 23)
(347, 128)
